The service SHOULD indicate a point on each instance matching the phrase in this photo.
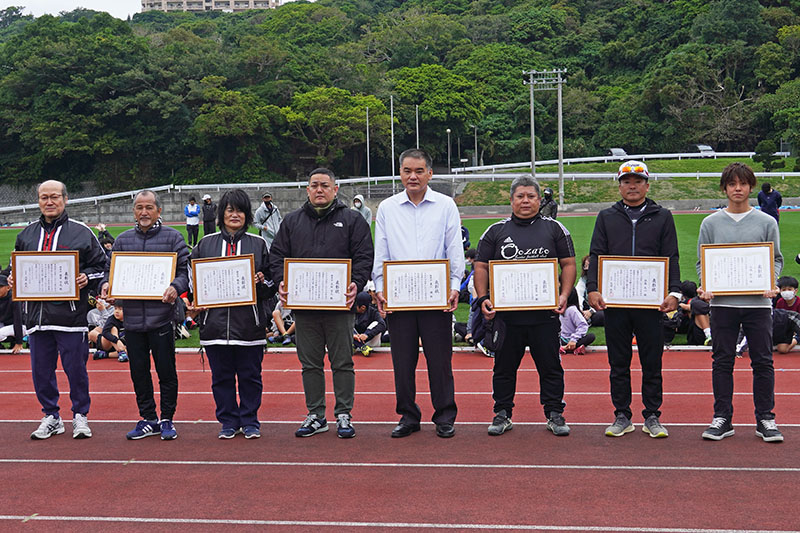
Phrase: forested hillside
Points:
(269, 94)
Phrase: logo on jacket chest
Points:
(510, 250)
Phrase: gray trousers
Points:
(315, 331)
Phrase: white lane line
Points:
(384, 525)
(419, 393)
(390, 423)
(420, 370)
(469, 466)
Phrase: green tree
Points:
(765, 151)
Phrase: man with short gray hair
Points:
(523, 236)
(149, 324)
(60, 327)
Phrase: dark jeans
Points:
(161, 342)
(74, 350)
(191, 231)
(405, 330)
(209, 227)
(757, 326)
(543, 341)
(229, 363)
(586, 340)
(621, 325)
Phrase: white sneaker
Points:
(80, 427)
(50, 426)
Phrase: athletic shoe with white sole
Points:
(144, 428)
(719, 429)
(767, 429)
(80, 427)
(167, 429)
(500, 423)
(311, 426)
(252, 432)
(557, 424)
(344, 427)
(50, 425)
(620, 426)
(227, 433)
(653, 427)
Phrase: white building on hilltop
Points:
(196, 6)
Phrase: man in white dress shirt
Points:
(420, 223)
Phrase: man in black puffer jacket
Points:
(149, 323)
(60, 326)
(325, 228)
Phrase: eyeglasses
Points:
(52, 197)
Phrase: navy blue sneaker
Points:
(227, 433)
(344, 428)
(252, 432)
(168, 430)
(100, 354)
(311, 426)
(144, 428)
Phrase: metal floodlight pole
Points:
(391, 114)
(449, 166)
(417, 113)
(546, 80)
(368, 142)
(533, 129)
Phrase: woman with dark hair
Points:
(574, 334)
(234, 336)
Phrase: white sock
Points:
(707, 331)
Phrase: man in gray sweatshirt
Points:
(740, 223)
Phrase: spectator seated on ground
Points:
(112, 337)
(574, 335)
(97, 318)
(368, 325)
(788, 298)
(678, 321)
(282, 326)
(785, 332)
(699, 332)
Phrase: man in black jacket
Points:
(60, 326)
(325, 227)
(369, 325)
(209, 210)
(635, 226)
(149, 324)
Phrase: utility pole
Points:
(449, 166)
(548, 80)
(367, 141)
(475, 154)
(417, 112)
(391, 114)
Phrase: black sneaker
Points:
(500, 424)
(719, 429)
(557, 424)
(767, 429)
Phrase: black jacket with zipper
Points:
(62, 235)
(338, 233)
(241, 324)
(652, 235)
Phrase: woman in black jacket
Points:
(234, 336)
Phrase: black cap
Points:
(363, 298)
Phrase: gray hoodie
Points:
(365, 211)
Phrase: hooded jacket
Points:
(365, 211)
(243, 325)
(336, 233)
(653, 235)
(63, 234)
(268, 221)
(147, 315)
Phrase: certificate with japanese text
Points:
(740, 268)
(524, 285)
(140, 275)
(224, 281)
(633, 281)
(317, 283)
(45, 276)
(416, 285)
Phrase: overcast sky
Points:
(118, 8)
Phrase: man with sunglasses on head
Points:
(635, 226)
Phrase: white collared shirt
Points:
(407, 232)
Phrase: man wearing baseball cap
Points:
(267, 218)
(209, 215)
(635, 226)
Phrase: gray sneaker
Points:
(653, 427)
(500, 424)
(80, 427)
(620, 426)
(557, 424)
(49, 426)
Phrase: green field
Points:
(580, 227)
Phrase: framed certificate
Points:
(626, 281)
(524, 285)
(224, 281)
(45, 276)
(737, 268)
(140, 275)
(319, 284)
(416, 285)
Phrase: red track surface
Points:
(526, 479)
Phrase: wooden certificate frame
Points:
(318, 271)
(201, 268)
(750, 258)
(546, 270)
(151, 265)
(60, 263)
(398, 275)
(613, 269)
